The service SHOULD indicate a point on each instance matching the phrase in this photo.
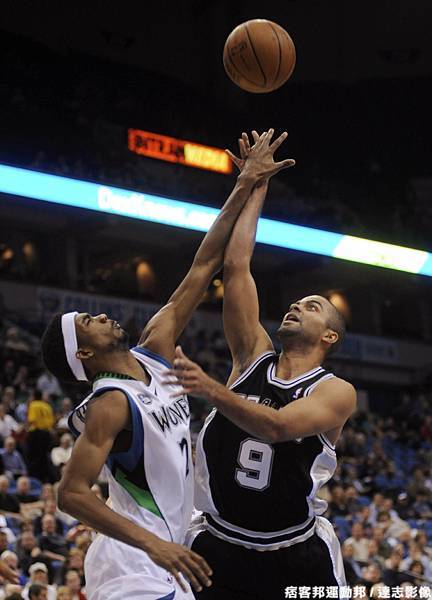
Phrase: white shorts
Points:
(116, 571)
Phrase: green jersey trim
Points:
(143, 498)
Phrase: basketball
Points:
(259, 56)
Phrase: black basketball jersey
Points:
(253, 492)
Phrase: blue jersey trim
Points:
(169, 597)
(130, 458)
(153, 355)
(71, 426)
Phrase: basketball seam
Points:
(240, 73)
(280, 53)
(256, 58)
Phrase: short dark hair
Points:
(53, 351)
(35, 590)
(336, 322)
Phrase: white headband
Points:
(71, 345)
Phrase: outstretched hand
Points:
(189, 376)
(177, 559)
(259, 158)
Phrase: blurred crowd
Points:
(379, 500)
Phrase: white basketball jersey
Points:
(152, 483)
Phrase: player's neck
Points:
(122, 363)
(292, 363)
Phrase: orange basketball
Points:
(259, 56)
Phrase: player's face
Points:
(99, 332)
(306, 320)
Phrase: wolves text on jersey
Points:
(173, 415)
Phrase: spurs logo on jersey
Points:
(255, 493)
(151, 483)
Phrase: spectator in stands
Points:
(422, 543)
(39, 575)
(61, 454)
(337, 505)
(403, 507)
(362, 516)
(11, 560)
(37, 592)
(8, 375)
(23, 491)
(40, 422)
(27, 550)
(51, 543)
(21, 409)
(416, 570)
(12, 592)
(73, 582)
(415, 554)
(7, 423)
(375, 507)
(359, 543)
(8, 398)
(48, 492)
(74, 561)
(373, 553)
(66, 407)
(4, 544)
(50, 508)
(392, 576)
(389, 479)
(417, 482)
(392, 529)
(353, 572)
(13, 462)
(9, 504)
(64, 593)
(15, 343)
(20, 383)
(40, 414)
(372, 575)
(426, 429)
(48, 384)
(422, 506)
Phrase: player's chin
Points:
(287, 329)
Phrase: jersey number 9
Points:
(255, 459)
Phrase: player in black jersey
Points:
(269, 447)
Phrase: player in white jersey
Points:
(131, 424)
(263, 455)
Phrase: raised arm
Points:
(244, 333)
(164, 328)
(106, 417)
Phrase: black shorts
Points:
(242, 574)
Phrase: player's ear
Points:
(84, 353)
(330, 336)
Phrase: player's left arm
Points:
(329, 406)
(162, 331)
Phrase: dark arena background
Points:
(128, 106)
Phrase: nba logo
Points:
(297, 393)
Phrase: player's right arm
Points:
(244, 333)
(106, 417)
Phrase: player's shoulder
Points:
(151, 359)
(339, 387)
(106, 402)
(109, 411)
